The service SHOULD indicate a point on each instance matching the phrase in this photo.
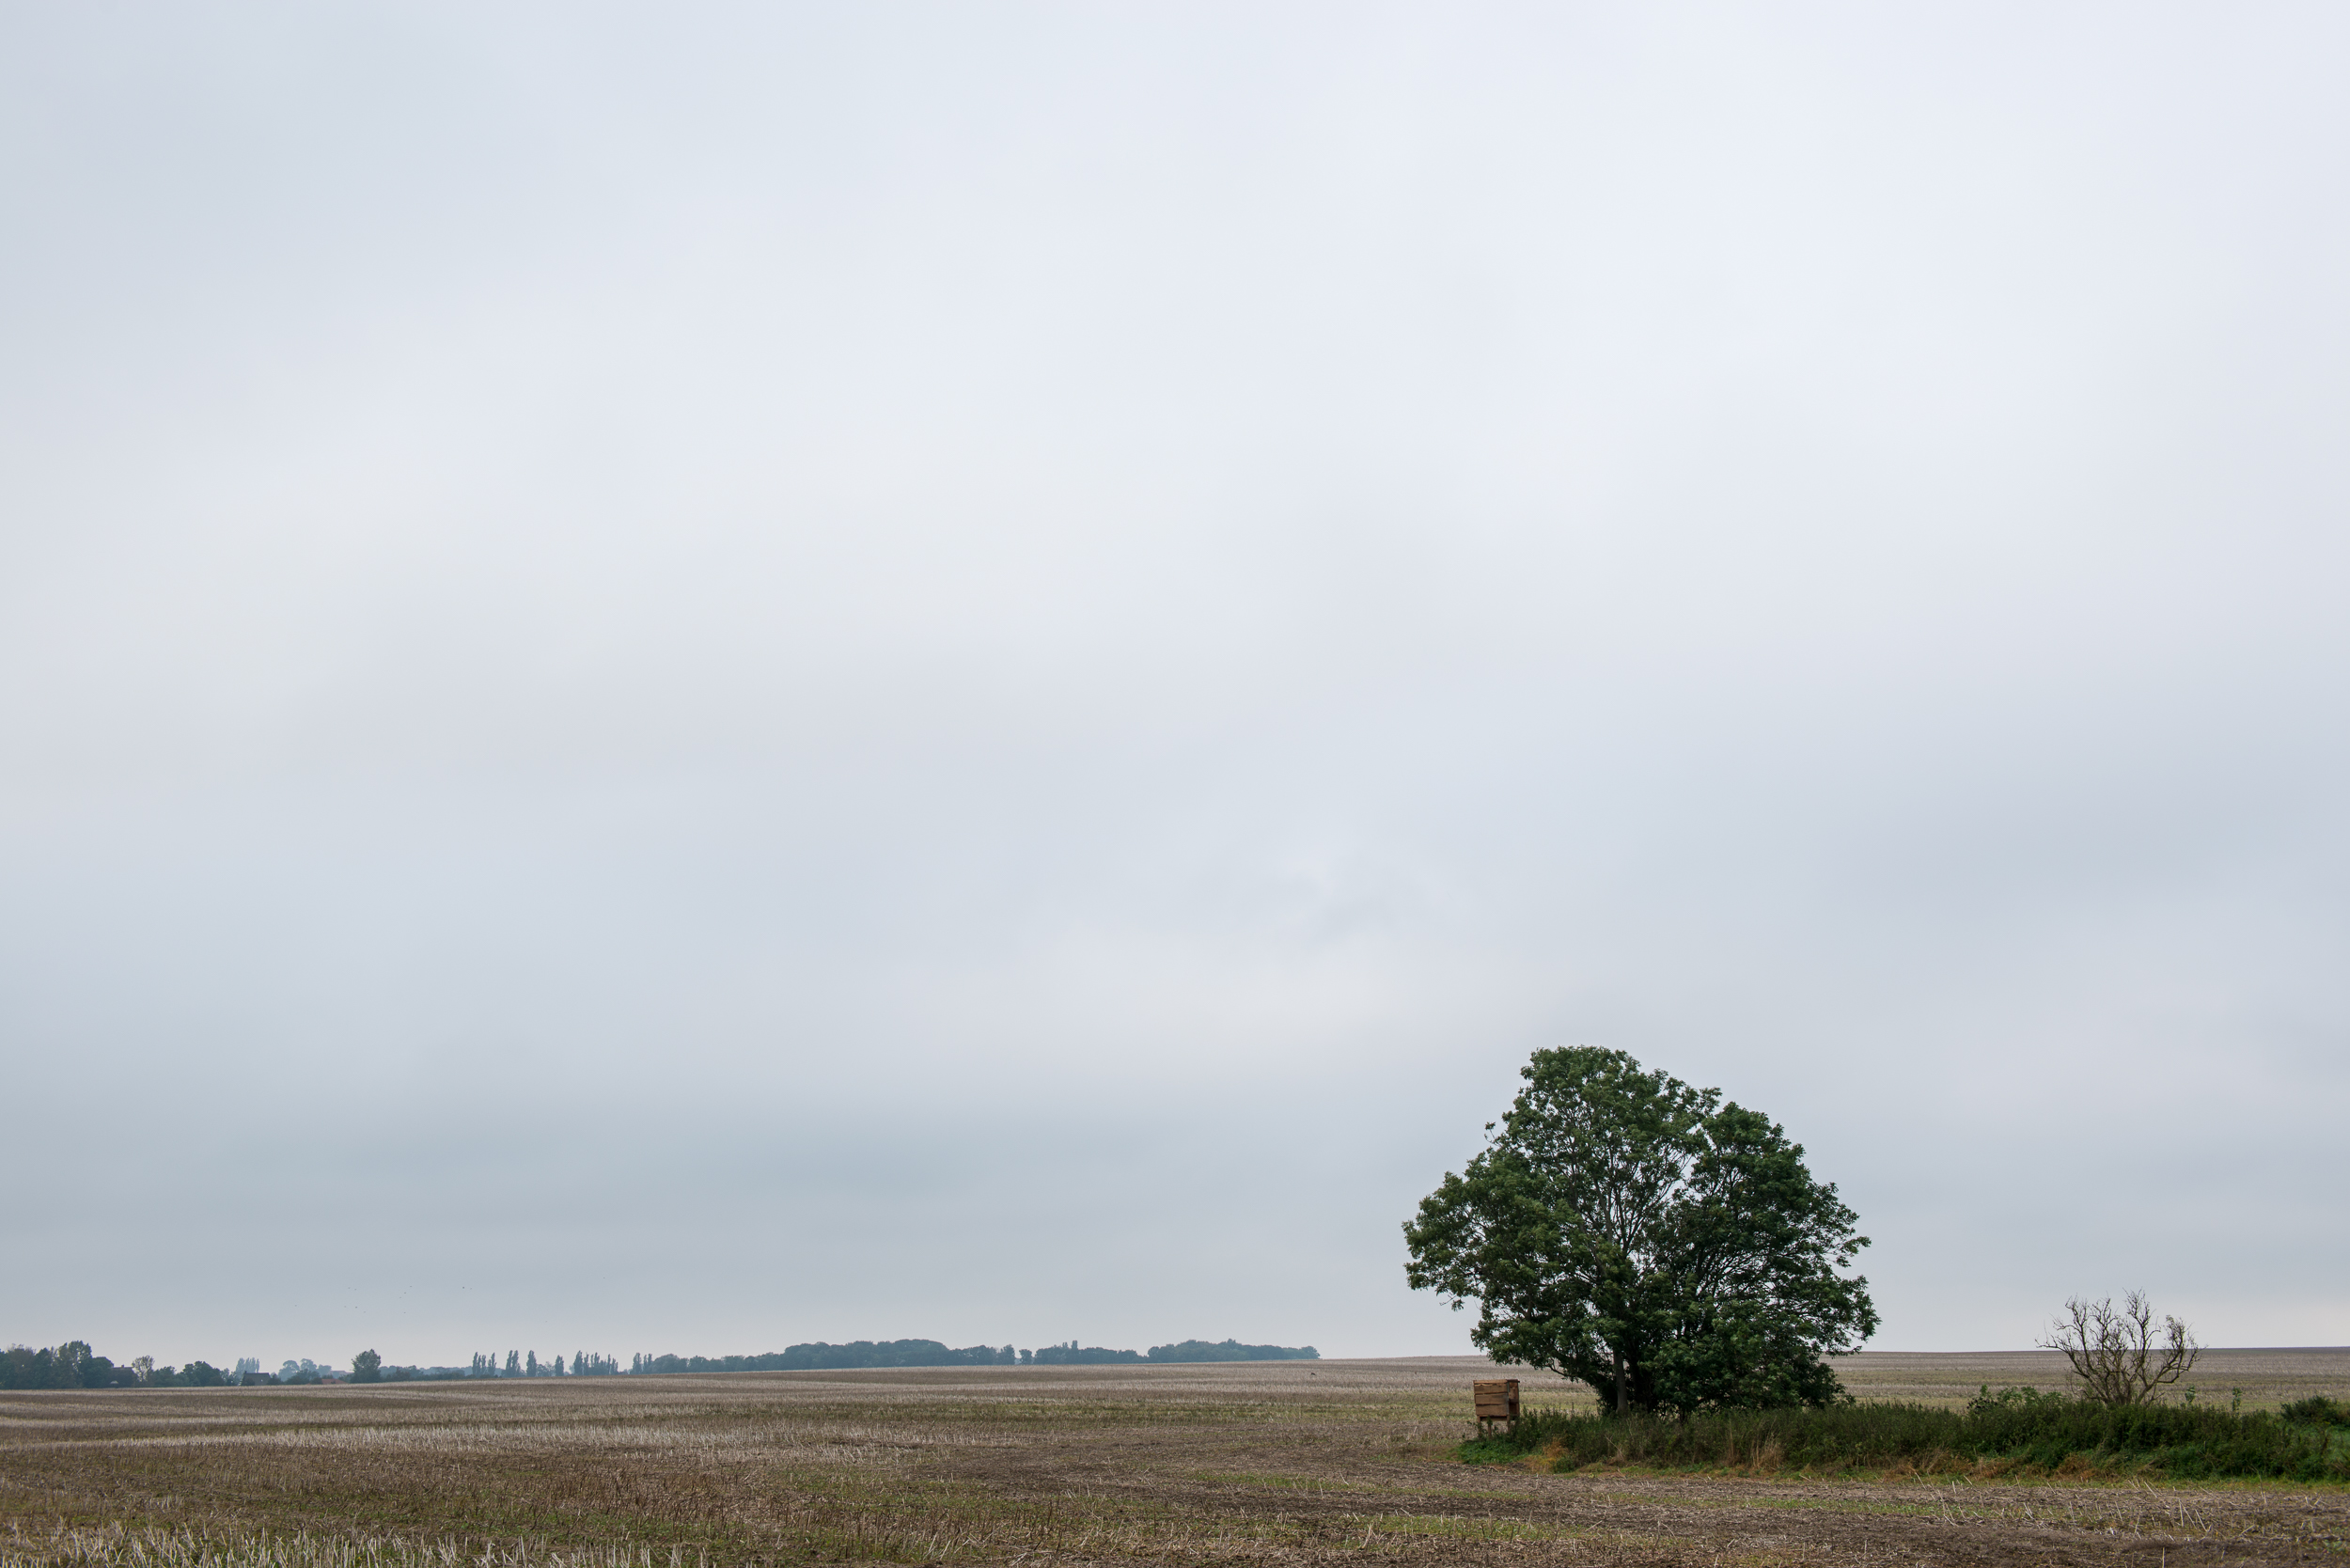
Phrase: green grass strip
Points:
(2041, 1431)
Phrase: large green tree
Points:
(1668, 1249)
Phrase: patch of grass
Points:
(2014, 1430)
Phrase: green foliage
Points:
(1744, 1356)
(70, 1365)
(2318, 1410)
(367, 1367)
(2015, 1425)
(819, 1357)
(1667, 1249)
(1231, 1350)
(1072, 1354)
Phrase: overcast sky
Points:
(689, 678)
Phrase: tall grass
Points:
(2044, 1432)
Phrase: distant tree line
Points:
(821, 1356)
(1074, 1355)
(74, 1365)
(932, 1352)
(1229, 1350)
(1071, 1355)
(518, 1363)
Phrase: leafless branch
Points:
(2116, 1352)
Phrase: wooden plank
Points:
(1497, 1398)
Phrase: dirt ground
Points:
(1267, 1463)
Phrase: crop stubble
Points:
(1282, 1463)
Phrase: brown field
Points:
(2268, 1377)
(1273, 1463)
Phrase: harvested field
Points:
(1262, 1463)
(2269, 1378)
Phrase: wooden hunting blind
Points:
(1496, 1400)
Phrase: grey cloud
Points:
(692, 679)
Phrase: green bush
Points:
(2319, 1410)
(2018, 1425)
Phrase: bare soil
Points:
(1296, 1462)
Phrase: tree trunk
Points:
(1623, 1395)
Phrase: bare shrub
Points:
(2116, 1352)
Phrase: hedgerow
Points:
(2307, 1441)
